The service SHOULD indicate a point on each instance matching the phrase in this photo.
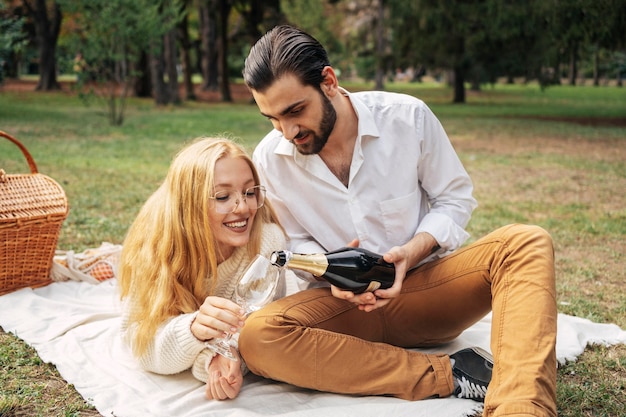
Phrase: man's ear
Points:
(329, 84)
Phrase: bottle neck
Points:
(315, 264)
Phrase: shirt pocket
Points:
(400, 217)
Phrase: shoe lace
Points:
(469, 389)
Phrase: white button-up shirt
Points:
(405, 178)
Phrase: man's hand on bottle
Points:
(370, 301)
(403, 257)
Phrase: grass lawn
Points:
(555, 158)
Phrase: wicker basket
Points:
(32, 210)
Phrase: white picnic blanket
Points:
(75, 326)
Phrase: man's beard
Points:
(327, 124)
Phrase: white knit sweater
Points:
(174, 348)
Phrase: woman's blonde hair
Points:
(169, 257)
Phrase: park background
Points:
(530, 93)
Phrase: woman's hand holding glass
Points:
(216, 318)
(255, 288)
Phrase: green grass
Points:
(31, 387)
(554, 158)
(109, 171)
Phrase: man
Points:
(377, 170)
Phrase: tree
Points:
(322, 20)
(112, 35)
(568, 23)
(142, 81)
(512, 27)
(47, 18)
(441, 33)
(364, 34)
(207, 11)
(255, 18)
(478, 40)
(604, 28)
(215, 19)
(224, 7)
(171, 64)
(185, 51)
(11, 38)
(163, 55)
(380, 45)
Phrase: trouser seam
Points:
(505, 297)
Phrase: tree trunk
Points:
(459, 84)
(573, 67)
(380, 47)
(156, 73)
(223, 51)
(259, 13)
(208, 45)
(171, 63)
(12, 67)
(556, 77)
(185, 58)
(142, 84)
(596, 65)
(47, 29)
(475, 74)
(459, 69)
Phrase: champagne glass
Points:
(256, 288)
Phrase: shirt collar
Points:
(367, 126)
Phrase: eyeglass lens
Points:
(226, 201)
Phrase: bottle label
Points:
(316, 264)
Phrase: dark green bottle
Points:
(354, 269)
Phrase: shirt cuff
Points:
(447, 233)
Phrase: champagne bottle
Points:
(354, 269)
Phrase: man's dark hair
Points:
(285, 50)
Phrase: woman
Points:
(182, 257)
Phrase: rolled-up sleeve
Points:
(447, 186)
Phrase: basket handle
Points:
(29, 158)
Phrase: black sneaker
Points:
(472, 372)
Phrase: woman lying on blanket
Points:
(182, 257)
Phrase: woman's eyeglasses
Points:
(227, 201)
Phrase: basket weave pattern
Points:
(32, 210)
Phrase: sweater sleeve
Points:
(174, 348)
(200, 368)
